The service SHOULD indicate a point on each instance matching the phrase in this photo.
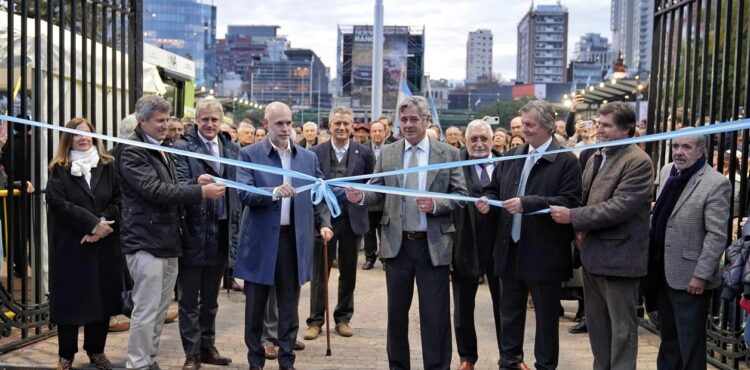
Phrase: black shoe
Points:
(579, 328)
(368, 265)
(561, 311)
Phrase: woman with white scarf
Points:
(85, 261)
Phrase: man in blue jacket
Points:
(282, 257)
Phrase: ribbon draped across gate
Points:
(321, 189)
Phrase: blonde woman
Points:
(85, 274)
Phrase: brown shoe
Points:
(171, 316)
(523, 366)
(64, 364)
(99, 361)
(298, 346)
(344, 329)
(192, 362)
(270, 352)
(312, 332)
(466, 365)
(212, 356)
(118, 327)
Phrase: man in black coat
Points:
(153, 226)
(340, 157)
(472, 247)
(532, 252)
(212, 225)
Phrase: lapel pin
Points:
(356, 152)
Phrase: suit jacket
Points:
(474, 237)
(258, 244)
(543, 252)
(360, 161)
(615, 219)
(696, 234)
(201, 248)
(440, 226)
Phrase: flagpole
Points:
(377, 63)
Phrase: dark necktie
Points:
(485, 178)
(217, 167)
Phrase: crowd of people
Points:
(146, 220)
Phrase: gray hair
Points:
(127, 126)
(245, 124)
(338, 110)
(544, 111)
(479, 123)
(700, 140)
(418, 102)
(146, 106)
(313, 124)
(210, 105)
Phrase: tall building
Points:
(632, 33)
(256, 63)
(186, 28)
(543, 44)
(403, 54)
(479, 56)
(591, 59)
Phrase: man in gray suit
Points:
(417, 237)
(688, 237)
(610, 230)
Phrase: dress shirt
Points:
(490, 167)
(376, 149)
(540, 150)
(286, 163)
(340, 152)
(156, 142)
(215, 147)
(423, 156)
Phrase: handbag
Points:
(126, 296)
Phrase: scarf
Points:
(82, 162)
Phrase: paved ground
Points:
(365, 350)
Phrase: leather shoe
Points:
(118, 327)
(298, 346)
(270, 352)
(256, 368)
(368, 265)
(522, 366)
(171, 316)
(212, 356)
(286, 368)
(233, 285)
(192, 362)
(466, 365)
(579, 328)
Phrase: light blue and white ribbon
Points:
(320, 188)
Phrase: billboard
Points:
(394, 61)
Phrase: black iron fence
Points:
(62, 59)
(700, 73)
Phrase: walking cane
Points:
(325, 297)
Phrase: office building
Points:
(543, 44)
(479, 56)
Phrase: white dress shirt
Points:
(340, 152)
(423, 156)
(540, 150)
(286, 163)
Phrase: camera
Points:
(492, 120)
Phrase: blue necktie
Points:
(515, 231)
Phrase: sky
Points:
(312, 24)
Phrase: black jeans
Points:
(94, 338)
(372, 235)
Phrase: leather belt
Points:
(415, 235)
(285, 228)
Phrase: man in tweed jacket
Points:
(688, 237)
(611, 233)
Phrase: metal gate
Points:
(700, 73)
(62, 59)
